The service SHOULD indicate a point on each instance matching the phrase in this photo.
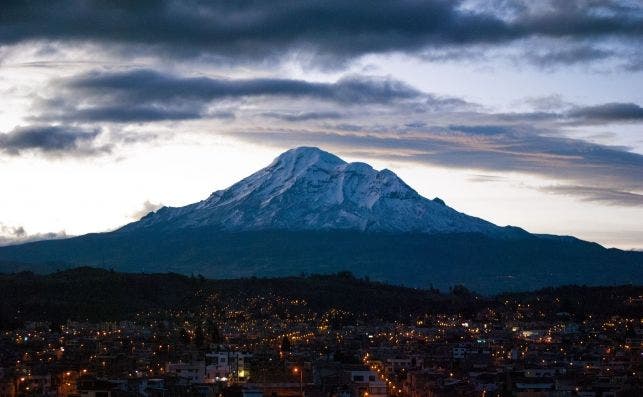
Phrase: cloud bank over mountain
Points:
(334, 32)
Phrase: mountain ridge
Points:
(307, 188)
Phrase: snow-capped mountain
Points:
(309, 189)
(307, 212)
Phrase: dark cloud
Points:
(597, 194)
(568, 113)
(416, 125)
(51, 140)
(528, 116)
(149, 86)
(124, 114)
(330, 29)
(582, 162)
(482, 129)
(609, 112)
(567, 56)
(147, 95)
(304, 116)
(67, 110)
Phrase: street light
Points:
(301, 380)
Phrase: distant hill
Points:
(481, 263)
(98, 295)
(101, 295)
(311, 212)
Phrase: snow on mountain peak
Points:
(303, 157)
(306, 188)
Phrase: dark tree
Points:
(285, 344)
(461, 290)
(185, 337)
(199, 338)
(213, 332)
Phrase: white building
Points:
(194, 372)
(228, 365)
(366, 381)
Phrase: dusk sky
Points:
(520, 112)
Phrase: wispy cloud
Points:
(304, 116)
(597, 194)
(51, 140)
(17, 235)
(148, 95)
(567, 55)
(145, 209)
(486, 178)
(608, 112)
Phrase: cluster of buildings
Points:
(271, 347)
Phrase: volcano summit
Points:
(311, 212)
